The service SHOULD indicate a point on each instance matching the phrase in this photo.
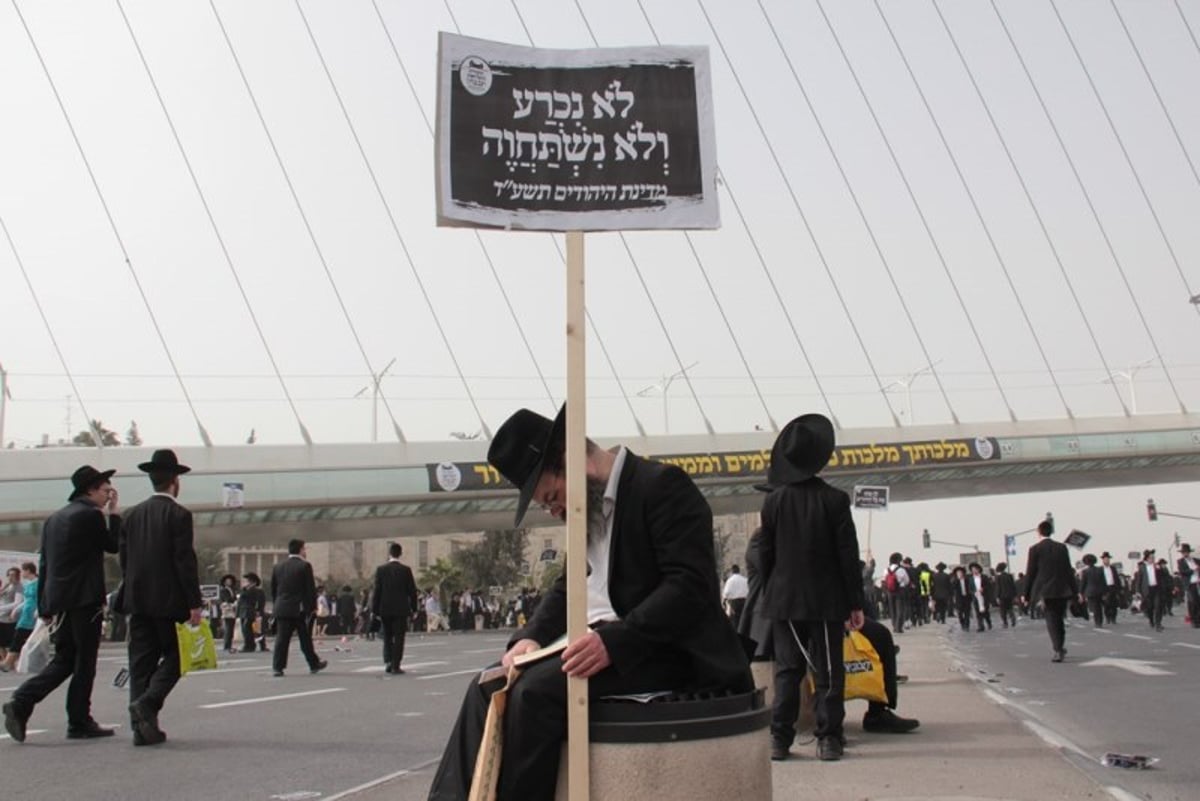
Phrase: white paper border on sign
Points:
(675, 213)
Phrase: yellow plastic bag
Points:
(864, 669)
(197, 651)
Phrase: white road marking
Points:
(406, 666)
(266, 698)
(27, 733)
(448, 675)
(381, 780)
(481, 651)
(1140, 637)
(996, 698)
(1187, 645)
(1142, 667)
(1122, 795)
(219, 671)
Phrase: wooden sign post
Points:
(573, 141)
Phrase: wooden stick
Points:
(577, 689)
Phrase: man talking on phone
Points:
(71, 593)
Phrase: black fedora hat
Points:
(87, 477)
(1185, 548)
(1106, 555)
(801, 450)
(520, 449)
(164, 461)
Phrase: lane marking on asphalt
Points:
(1187, 645)
(1121, 794)
(1052, 739)
(481, 651)
(264, 699)
(1140, 637)
(448, 675)
(406, 666)
(27, 733)
(218, 671)
(381, 780)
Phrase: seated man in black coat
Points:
(654, 606)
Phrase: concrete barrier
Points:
(706, 749)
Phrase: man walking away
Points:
(896, 582)
(1006, 595)
(71, 590)
(294, 600)
(941, 592)
(161, 587)
(393, 602)
(1050, 579)
(1092, 590)
(1189, 571)
(734, 594)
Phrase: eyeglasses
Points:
(547, 499)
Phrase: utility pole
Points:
(376, 379)
(662, 389)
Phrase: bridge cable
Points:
(1141, 188)
(683, 371)
(1091, 207)
(1028, 197)
(1174, 131)
(866, 223)
(213, 223)
(478, 238)
(50, 332)
(307, 225)
(800, 211)
(116, 235)
(1188, 25)
(429, 127)
(704, 272)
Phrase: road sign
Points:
(984, 558)
(866, 497)
(1077, 539)
(1010, 545)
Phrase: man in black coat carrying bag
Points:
(161, 587)
(71, 590)
(393, 602)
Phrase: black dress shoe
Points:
(829, 749)
(888, 722)
(1058, 656)
(144, 719)
(387, 669)
(88, 731)
(14, 722)
(779, 751)
(398, 671)
(317, 668)
(277, 674)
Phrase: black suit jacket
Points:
(158, 560)
(1048, 573)
(395, 593)
(1093, 585)
(809, 553)
(293, 588)
(1006, 587)
(940, 589)
(71, 564)
(662, 581)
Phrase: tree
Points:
(550, 574)
(495, 560)
(132, 437)
(87, 439)
(444, 577)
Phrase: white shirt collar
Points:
(166, 495)
(614, 479)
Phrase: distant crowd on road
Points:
(914, 595)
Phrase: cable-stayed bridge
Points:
(942, 223)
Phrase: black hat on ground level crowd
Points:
(1106, 555)
(87, 477)
(802, 448)
(521, 447)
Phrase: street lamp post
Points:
(662, 390)
(906, 384)
(1129, 375)
(376, 379)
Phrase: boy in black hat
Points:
(811, 579)
(161, 587)
(654, 605)
(74, 541)
(1189, 573)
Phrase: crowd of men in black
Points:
(914, 595)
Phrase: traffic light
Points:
(1151, 510)
(925, 538)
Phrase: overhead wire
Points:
(62, 107)
(799, 210)
(683, 371)
(700, 265)
(62, 359)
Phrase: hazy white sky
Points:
(1135, 306)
